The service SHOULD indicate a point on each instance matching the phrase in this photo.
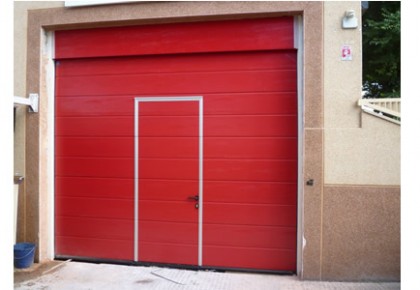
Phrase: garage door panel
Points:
(109, 105)
(168, 126)
(174, 169)
(188, 83)
(167, 190)
(94, 147)
(94, 208)
(95, 228)
(162, 109)
(95, 126)
(250, 147)
(248, 34)
(94, 248)
(250, 236)
(272, 103)
(203, 62)
(251, 258)
(184, 254)
(170, 211)
(251, 192)
(250, 126)
(250, 214)
(105, 105)
(168, 232)
(94, 187)
(95, 167)
(250, 170)
(180, 147)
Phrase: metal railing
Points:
(388, 109)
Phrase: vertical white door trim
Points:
(138, 100)
(47, 79)
(136, 178)
(200, 180)
(298, 44)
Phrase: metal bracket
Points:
(32, 102)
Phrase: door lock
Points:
(195, 197)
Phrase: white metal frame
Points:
(48, 79)
(298, 44)
(137, 102)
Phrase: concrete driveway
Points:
(85, 276)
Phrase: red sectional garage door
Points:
(126, 197)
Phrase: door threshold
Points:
(173, 266)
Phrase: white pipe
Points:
(16, 196)
(17, 180)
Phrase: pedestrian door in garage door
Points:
(151, 120)
(168, 179)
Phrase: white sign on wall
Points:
(346, 53)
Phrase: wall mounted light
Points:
(349, 20)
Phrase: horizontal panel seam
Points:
(178, 94)
(94, 238)
(204, 93)
(165, 73)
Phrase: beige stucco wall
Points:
(361, 233)
(21, 9)
(360, 199)
(369, 155)
(359, 149)
(342, 79)
(19, 71)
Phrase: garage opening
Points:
(210, 179)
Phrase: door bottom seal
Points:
(174, 266)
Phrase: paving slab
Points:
(88, 276)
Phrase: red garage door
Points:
(177, 144)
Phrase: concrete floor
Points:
(69, 275)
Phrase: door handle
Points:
(195, 198)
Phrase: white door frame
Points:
(149, 99)
(299, 45)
